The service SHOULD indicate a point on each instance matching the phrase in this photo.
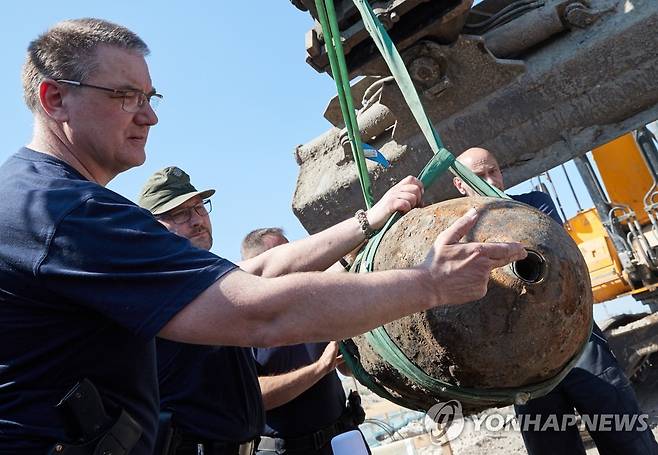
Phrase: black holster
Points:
(97, 432)
(354, 408)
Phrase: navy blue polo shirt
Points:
(541, 201)
(87, 279)
(212, 392)
(316, 408)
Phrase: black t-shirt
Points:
(314, 409)
(212, 392)
(87, 279)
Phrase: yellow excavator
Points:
(619, 239)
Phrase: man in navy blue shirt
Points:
(88, 279)
(209, 394)
(302, 394)
(596, 386)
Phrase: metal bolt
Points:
(580, 15)
(425, 69)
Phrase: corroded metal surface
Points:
(520, 333)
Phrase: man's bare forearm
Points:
(282, 388)
(245, 310)
(315, 253)
(321, 250)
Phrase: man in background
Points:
(209, 395)
(595, 386)
(302, 393)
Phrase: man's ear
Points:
(51, 97)
(459, 184)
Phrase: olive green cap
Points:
(167, 189)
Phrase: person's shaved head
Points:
(483, 164)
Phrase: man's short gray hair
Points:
(68, 51)
(253, 244)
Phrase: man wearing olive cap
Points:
(174, 201)
(210, 394)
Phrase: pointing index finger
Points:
(458, 229)
(503, 252)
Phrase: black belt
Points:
(351, 418)
(193, 445)
(309, 442)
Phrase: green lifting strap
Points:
(442, 160)
(401, 75)
(363, 377)
(327, 16)
(382, 343)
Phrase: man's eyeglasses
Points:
(133, 100)
(184, 215)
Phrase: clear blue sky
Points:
(238, 98)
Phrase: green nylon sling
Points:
(441, 161)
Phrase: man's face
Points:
(112, 139)
(484, 165)
(197, 229)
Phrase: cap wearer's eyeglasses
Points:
(184, 215)
(132, 99)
